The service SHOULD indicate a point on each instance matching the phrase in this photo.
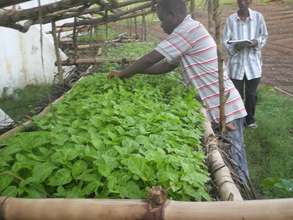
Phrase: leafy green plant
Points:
(271, 141)
(278, 187)
(111, 139)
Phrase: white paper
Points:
(239, 41)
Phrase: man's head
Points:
(171, 13)
(243, 4)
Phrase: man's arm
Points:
(262, 34)
(139, 66)
(160, 68)
(227, 36)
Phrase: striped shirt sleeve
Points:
(174, 46)
(263, 32)
(227, 35)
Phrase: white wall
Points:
(5, 120)
(20, 56)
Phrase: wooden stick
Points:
(222, 101)
(8, 18)
(95, 60)
(144, 28)
(57, 53)
(74, 39)
(94, 10)
(283, 91)
(210, 15)
(192, 8)
(135, 25)
(91, 209)
(111, 18)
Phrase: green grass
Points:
(270, 146)
(99, 34)
(23, 101)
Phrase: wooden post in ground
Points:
(74, 39)
(192, 8)
(144, 28)
(57, 53)
(210, 7)
(107, 27)
(217, 20)
(135, 26)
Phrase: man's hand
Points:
(119, 74)
(239, 46)
(253, 43)
(242, 45)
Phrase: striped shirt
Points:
(248, 61)
(192, 46)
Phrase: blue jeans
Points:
(238, 148)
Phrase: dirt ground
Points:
(278, 53)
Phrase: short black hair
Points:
(174, 6)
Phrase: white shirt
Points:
(248, 61)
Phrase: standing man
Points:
(245, 62)
(190, 46)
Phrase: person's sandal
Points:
(252, 125)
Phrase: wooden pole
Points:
(57, 53)
(107, 28)
(111, 18)
(7, 18)
(74, 39)
(192, 8)
(135, 26)
(91, 209)
(217, 20)
(210, 4)
(144, 28)
(93, 60)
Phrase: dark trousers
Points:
(247, 90)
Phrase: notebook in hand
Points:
(239, 42)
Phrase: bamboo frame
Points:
(7, 18)
(90, 209)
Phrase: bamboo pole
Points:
(93, 60)
(90, 209)
(57, 53)
(192, 8)
(283, 91)
(107, 27)
(220, 172)
(210, 7)
(111, 18)
(74, 39)
(7, 18)
(93, 10)
(135, 26)
(144, 28)
(222, 101)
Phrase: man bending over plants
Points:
(191, 46)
